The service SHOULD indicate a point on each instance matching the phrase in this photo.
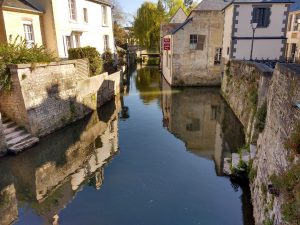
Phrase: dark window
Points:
(193, 125)
(193, 41)
(85, 15)
(261, 16)
(218, 56)
(228, 50)
(201, 42)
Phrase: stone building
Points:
(267, 19)
(293, 34)
(192, 51)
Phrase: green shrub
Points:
(17, 51)
(261, 115)
(293, 143)
(253, 95)
(268, 221)
(108, 62)
(288, 184)
(89, 53)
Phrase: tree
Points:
(119, 18)
(146, 25)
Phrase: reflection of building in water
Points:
(49, 175)
(199, 117)
(8, 205)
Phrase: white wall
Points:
(179, 17)
(167, 70)
(227, 31)
(263, 48)
(91, 33)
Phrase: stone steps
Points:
(17, 138)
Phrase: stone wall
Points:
(279, 89)
(48, 97)
(2, 139)
(272, 157)
(244, 87)
(196, 67)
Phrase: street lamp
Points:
(253, 26)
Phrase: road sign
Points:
(167, 44)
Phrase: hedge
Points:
(95, 61)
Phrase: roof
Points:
(105, 2)
(20, 4)
(212, 5)
(258, 1)
(181, 25)
(295, 6)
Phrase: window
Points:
(218, 56)
(77, 40)
(104, 16)
(72, 9)
(85, 15)
(228, 49)
(193, 125)
(193, 41)
(68, 42)
(28, 32)
(106, 42)
(261, 16)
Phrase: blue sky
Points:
(131, 6)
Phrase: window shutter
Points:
(255, 15)
(201, 42)
(267, 17)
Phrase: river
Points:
(153, 156)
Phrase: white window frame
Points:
(72, 10)
(104, 15)
(106, 42)
(193, 41)
(27, 34)
(85, 15)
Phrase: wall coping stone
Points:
(58, 63)
(262, 68)
(289, 68)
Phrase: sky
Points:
(130, 6)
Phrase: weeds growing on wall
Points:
(17, 51)
(261, 115)
(288, 184)
(293, 143)
(90, 53)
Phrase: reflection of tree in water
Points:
(148, 83)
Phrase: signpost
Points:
(167, 44)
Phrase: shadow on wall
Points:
(70, 158)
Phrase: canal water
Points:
(153, 156)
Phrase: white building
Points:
(293, 34)
(269, 17)
(76, 23)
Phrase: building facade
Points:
(76, 23)
(267, 18)
(193, 55)
(293, 34)
(58, 24)
(21, 19)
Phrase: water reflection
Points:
(202, 120)
(48, 177)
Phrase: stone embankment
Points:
(247, 87)
(47, 97)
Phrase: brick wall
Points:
(48, 97)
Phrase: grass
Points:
(261, 115)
